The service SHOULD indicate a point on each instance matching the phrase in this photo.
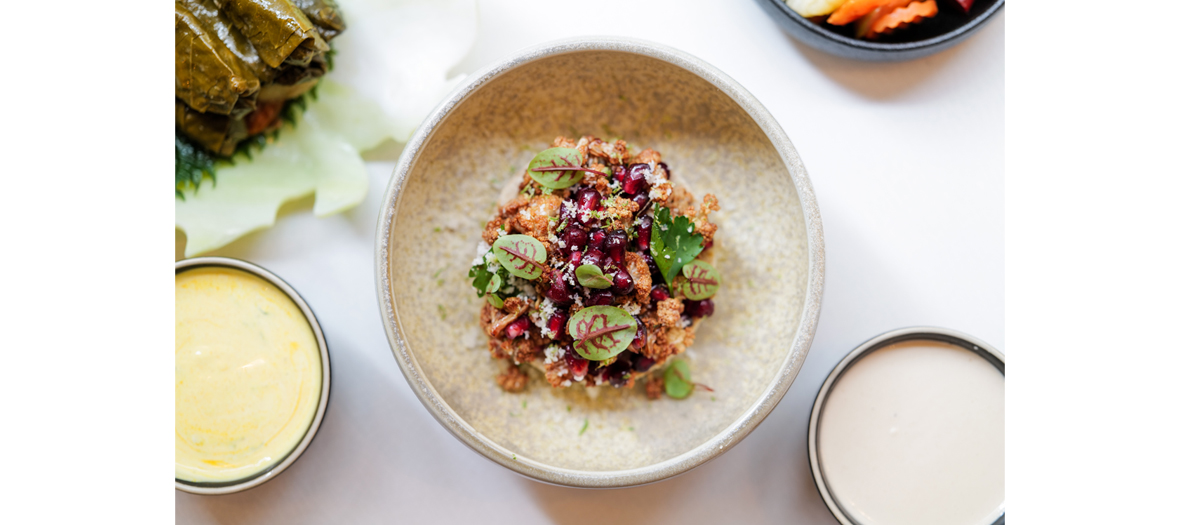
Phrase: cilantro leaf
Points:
(490, 285)
(674, 242)
(482, 278)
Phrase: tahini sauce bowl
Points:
(717, 139)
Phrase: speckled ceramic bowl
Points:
(715, 137)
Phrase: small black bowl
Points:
(940, 32)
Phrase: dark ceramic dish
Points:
(940, 32)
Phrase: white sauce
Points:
(914, 434)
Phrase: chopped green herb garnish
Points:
(585, 425)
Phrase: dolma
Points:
(241, 63)
(325, 14)
(219, 134)
(293, 81)
(209, 13)
(209, 76)
(279, 31)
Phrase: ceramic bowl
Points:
(716, 138)
(941, 32)
(230, 487)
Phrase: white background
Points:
(86, 281)
(907, 161)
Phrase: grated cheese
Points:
(553, 353)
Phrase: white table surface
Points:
(907, 161)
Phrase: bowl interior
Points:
(710, 143)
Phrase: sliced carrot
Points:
(854, 9)
(909, 14)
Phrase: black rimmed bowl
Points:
(939, 33)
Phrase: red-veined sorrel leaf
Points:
(558, 168)
(678, 380)
(522, 255)
(495, 300)
(701, 280)
(591, 276)
(601, 332)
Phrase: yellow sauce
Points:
(248, 375)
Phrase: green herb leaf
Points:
(601, 332)
(591, 276)
(482, 277)
(522, 255)
(495, 300)
(674, 242)
(193, 164)
(701, 280)
(558, 168)
(495, 283)
(678, 380)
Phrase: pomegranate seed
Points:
(667, 172)
(643, 364)
(575, 238)
(623, 284)
(577, 364)
(517, 327)
(642, 200)
(643, 232)
(559, 291)
(597, 238)
(557, 323)
(656, 276)
(575, 259)
(594, 256)
(635, 181)
(600, 298)
(618, 373)
(640, 340)
(624, 359)
(588, 200)
(707, 245)
(659, 293)
(698, 309)
(616, 246)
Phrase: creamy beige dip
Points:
(913, 434)
(248, 375)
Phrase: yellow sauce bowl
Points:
(252, 375)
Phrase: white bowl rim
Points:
(714, 446)
(211, 489)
